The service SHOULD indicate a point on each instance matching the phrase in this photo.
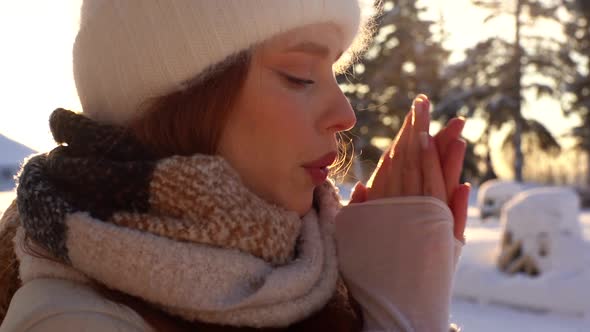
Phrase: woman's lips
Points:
(318, 169)
(318, 175)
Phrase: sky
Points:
(35, 67)
(36, 74)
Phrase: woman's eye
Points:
(301, 82)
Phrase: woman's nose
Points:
(340, 115)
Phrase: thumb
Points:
(359, 193)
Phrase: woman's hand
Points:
(417, 164)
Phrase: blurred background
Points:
(517, 70)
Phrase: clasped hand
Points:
(417, 164)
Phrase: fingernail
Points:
(418, 106)
(468, 186)
(423, 97)
(419, 103)
(425, 102)
(424, 140)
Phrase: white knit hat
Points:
(131, 50)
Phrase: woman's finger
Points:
(424, 121)
(434, 184)
(411, 169)
(449, 158)
(459, 205)
(359, 194)
(376, 183)
(381, 176)
(452, 164)
(449, 133)
(397, 155)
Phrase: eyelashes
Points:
(300, 82)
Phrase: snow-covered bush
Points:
(493, 194)
(541, 232)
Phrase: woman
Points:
(192, 193)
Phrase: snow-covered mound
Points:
(493, 194)
(541, 230)
(561, 289)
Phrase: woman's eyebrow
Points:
(312, 48)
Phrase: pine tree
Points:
(577, 30)
(491, 82)
(404, 59)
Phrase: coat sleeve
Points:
(65, 306)
(398, 256)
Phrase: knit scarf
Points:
(182, 233)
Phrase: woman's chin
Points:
(305, 205)
(299, 201)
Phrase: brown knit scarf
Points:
(100, 186)
(100, 170)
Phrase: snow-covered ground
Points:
(469, 312)
(485, 299)
(474, 317)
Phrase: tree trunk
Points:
(518, 120)
(490, 174)
(518, 155)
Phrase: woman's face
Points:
(282, 132)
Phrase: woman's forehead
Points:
(323, 40)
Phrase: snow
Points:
(473, 317)
(558, 205)
(562, 289)
(488, 300)
(543, 223)
(478, 278)
(493, 194)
